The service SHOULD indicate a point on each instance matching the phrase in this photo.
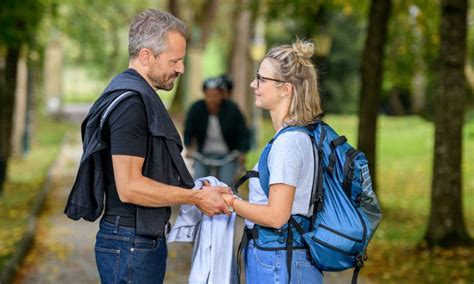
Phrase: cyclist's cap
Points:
(212, 83)
(227, 83)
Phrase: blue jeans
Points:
(123, 257)
(225, 173)
(263, 266)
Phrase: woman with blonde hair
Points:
(286, 86)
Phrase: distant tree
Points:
(371, 80)
(446, 223)
(201, 23)
(339, 23)
(412, 43)
(18, 22)
(240, 66)
(97, 26)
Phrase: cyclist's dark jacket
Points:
(163, 162)
(234, 130)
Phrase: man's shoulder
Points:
(131, 108)
(133, 100)
(230, 105)
(197, 106)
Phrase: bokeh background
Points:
(395, 76)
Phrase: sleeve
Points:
(243, 132)
(189, 126)
(287, 156)
(128, 126)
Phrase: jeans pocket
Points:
(307, 273)
(267, 259)
(146, 244)
(149, 261)
(108, 263)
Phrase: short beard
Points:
(159, 84)
(168, 87)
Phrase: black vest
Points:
(163, 162)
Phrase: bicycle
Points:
(216, 163)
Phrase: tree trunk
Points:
(173, 7)
(34, 69)
(446, 224)
(203, 22)
(240, 62)
(206, 22)
(19, 114)
(7, 102)
(371, 73)
(177, 105)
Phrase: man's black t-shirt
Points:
(126, 131)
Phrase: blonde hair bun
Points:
(303, 48)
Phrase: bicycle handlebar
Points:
(216, 162)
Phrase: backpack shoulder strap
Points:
(114, 104)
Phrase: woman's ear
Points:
(287, 89)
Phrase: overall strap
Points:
(244, 178)
(247, 235)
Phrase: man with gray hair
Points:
(132, 154)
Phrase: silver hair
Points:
(149, 30)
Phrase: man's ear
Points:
(144, 56)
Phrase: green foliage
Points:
(343, 21)
(340, 76)
(405, 170)
(412, 46)
(19, 20)
(26, 178)
(303, 15)
(97, 32)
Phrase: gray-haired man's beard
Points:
(162, 84)
(167, 87)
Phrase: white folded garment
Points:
(212, 259)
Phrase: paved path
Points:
(63, 250)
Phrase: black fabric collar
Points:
(159, 121)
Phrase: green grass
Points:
(404, 164)
(26, 177)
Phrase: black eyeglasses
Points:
(261, 78)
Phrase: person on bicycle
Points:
(215, 130)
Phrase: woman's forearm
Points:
(274, 214)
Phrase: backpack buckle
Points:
(281, 239)
(319, 197)
(319, 202)
(359, 260)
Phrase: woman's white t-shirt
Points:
(291, 162)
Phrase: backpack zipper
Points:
(333, 247)
(340, 234)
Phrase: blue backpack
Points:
(345, 210)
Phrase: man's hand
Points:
(228, 198)
(210, 201)
(189, 153)
(241, 160)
